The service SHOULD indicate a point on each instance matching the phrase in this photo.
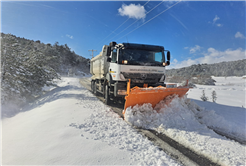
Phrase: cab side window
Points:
(114, 56)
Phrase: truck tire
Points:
(106, 95)
(95, 88)
(92, 86)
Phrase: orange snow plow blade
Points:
(151, 95)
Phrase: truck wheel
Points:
(92, 86)
(106, 95)
(95, 88)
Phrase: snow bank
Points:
(186, 122)
(214, 120)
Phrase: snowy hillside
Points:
(230, 68)
(68, 126)
(27, 66)
(201, 73)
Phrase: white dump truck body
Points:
(99, 65)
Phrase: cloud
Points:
(195, 49)
(219, 25)
(216, 18)
(133, 11)
(175, 61)
(169, 3)
(69, 36)
(239, 35)
(213, 56)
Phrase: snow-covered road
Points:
(70, 126)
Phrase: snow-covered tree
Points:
(204, 97)
(27, 65)
(214, 96)
(24, 69)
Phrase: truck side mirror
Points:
(112, 44)
(108, 59)
(108, 51)
(168, 56)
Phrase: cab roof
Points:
(143, 46)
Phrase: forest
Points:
(27, 66)
(201, 73)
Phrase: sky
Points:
(193, 31)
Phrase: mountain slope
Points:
(231, 68)
(201, 73)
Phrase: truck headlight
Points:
(167, 63)
(121, 92)
(124, 62)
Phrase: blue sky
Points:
(194, 31)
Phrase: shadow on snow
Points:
(55, 94)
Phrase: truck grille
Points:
(142, 77)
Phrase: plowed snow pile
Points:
(186, 122)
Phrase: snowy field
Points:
(228, 113)
(230, 91)
(69, 126)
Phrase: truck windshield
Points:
(141, 57)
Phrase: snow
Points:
(70, 126)
(47, 88)
(183, 120)
(230, 91)
(228, 114)
(187, 120)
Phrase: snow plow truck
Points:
(134, 73)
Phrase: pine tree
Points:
(26, 66)
(204, 97)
